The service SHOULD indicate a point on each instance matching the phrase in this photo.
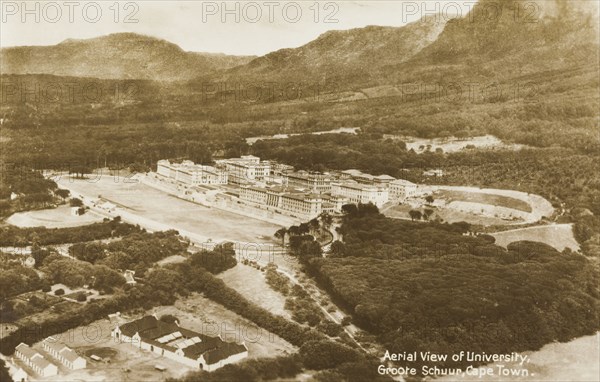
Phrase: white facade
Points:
(361, 193)
(64, 354)
(190, 173)
(289, 202)
(315, 182)
(402, 189)
(247, 168)
(36, 361)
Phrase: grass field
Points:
(251, 283)
(150, 203)
(205, 316)
(59, 217)
(559, 236)
(448, 215)
(474, 197)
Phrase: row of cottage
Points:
(274, 186)
(42, 366)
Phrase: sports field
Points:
(150, 204)
(59, 217)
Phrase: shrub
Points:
(59, 292)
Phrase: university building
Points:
(246, 169)
(361, 177)
(288, 201)
(189, 173)
(361, 193)
(402, 189)
(315, 182)
(179, 344)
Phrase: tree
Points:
(337, 248)
(280, 234)
(62, 193)
(319, 355)
(169, 318)
(59, 292)
(349, 209)
(429, 199)
(303, 229)
(415, 215)
(294, 230)
(75, 202)
(314, 225)
(327, 220)
(427, 213)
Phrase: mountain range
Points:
(116, 56)
(556, 34)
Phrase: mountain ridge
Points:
(116, 56)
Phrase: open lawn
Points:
(59, 217)
(149, 205)
(448, 215)
(474, 197)
(251, 283)
(559, 236)
(453, 144)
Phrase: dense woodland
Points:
(21, 237)
(427, 287)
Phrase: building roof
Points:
(69, 354)
(196, 350)
(26, 350)
(139, 325)
(172, 337)
(53, 344)
(41, 362)
(403, 182)
(384, 177)
(227, 350)
(34, 357)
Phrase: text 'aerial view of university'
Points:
(311, 191)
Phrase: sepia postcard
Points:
(309, 190)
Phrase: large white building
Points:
(361, 177)
(36, 361)
(312, 181)
(402, 189)
(361, 193)
(246, 169)
(288, 201)
(182, 345)
(64, 354)
(189, 173)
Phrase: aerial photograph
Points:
(309, 190)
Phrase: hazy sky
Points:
(233, 27)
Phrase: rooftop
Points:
(172, 337)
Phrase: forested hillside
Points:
(425, 287)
